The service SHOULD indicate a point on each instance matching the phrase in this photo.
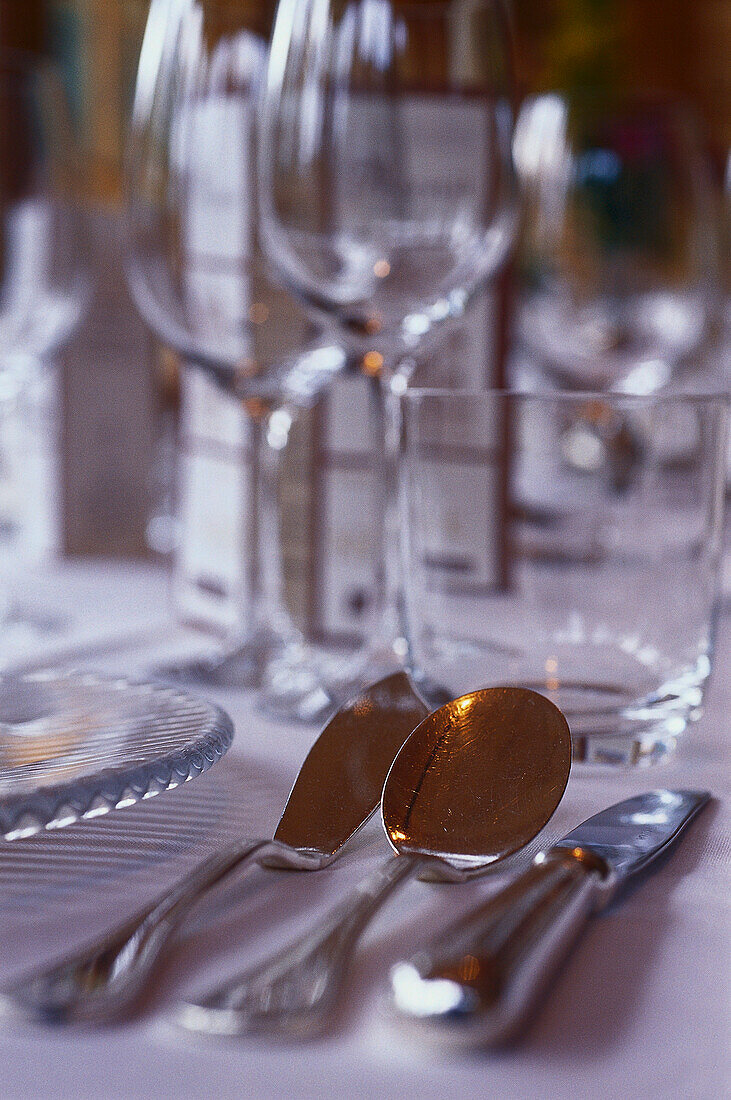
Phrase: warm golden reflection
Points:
(469, 968)
(552, 680)
(258, 313)
(480, 777)
(372, 363)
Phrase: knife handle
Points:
(481, 978)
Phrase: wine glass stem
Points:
(270, 436)
(386, 413)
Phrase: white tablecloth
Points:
(642, 1007)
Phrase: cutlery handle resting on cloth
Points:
(479, 981)
(294, 992)
(104, 979)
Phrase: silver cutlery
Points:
(337, 789)
(480, 980)
(476, 781)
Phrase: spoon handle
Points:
(481, 977)
(103, 979)
(294, 991)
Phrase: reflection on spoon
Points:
(475, 781)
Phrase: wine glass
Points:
(44, 285)
(619, 255)
(195, 273)
(43, 278)
(386, 190)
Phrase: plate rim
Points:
(85, 798)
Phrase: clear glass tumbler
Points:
(592, 577)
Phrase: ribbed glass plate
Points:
(76, 745)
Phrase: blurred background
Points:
(126, 445)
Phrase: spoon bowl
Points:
(477, 779)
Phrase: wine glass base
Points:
(287, 674)
(240, 665)
(293, 686)
(295, 680)
(307, 682)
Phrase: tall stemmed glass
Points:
(386, 190)
(44, 285)
(190, 182)
(620, 255)
(43, 274)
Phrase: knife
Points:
(479, 981)
(337, 789)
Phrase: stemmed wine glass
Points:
(194, 269)
(44, 286)
(386, 190)
(619, 255)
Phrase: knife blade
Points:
(480, 980)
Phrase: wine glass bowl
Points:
(192, 242)
(189, 187)
(385, 177)
(43, 279)
(619, 256)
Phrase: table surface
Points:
(641, 1008)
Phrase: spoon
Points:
(474, 782)
(337, 789)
